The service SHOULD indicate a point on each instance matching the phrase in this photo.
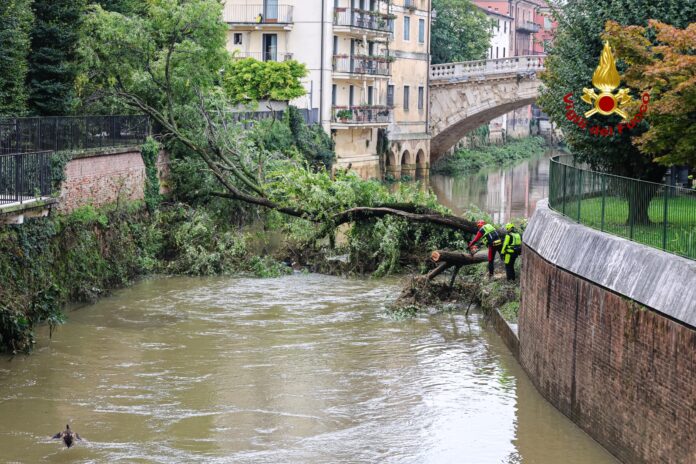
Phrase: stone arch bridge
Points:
(463, 96)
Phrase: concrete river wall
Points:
(607, 335)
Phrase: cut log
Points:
(442, 267)
(455, 258)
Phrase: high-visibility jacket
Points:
(489, 234)
(512, 244)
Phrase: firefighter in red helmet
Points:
(491, 238)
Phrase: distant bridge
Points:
(465, 95)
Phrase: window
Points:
(237, 38)
(334, 91)
(503, 52)
(421, 31)
(407, 28)
(547, 23)
(351, 95)
(270, 10)
(407, 92)
(390, 95)
(335, 45)
(505, 26)
(496, 52)
(370, 92)
(421, 98)
(498, 24)
(270, 47)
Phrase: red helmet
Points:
(480, 223)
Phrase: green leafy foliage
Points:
(470, 160)
(15, 25)
(248, 80)
(52, 68)
(315, 145)
(291, 136)
(461, 32)
(149, 153)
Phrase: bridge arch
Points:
(463, 96)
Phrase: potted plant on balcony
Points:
(344, 115)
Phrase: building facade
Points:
(368, 63)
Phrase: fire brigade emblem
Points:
(606, 79)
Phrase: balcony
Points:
(365, 65)
(528, 26)
(363, 22)
(260, 56)
(410, 4)
(258, 16)
(360, 116)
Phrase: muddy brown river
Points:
(299, 369)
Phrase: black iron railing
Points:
(375, 65)
(368, 114)
(258, 14)
(658, 215)
(363, 20)
(25, 176)
(23, 135)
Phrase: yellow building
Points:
(368, 63)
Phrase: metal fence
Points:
(24, 176)
(658, 215)
(26, 135)
(363, 20)
(362, 65)
(268, 13)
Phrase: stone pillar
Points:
(394, 171)
(408, 170)
(422, 171)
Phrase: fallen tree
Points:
(167, 62)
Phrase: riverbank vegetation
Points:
(241, 200)
(471, 160)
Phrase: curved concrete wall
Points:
(661, 281)
(606, 333)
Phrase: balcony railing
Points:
(366, 114)
(258, 14)
(63, 133)
(528, 26)
(24, 176)
(374, 65)
(261, 56)
(362, 19)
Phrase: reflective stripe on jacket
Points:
(512, 243)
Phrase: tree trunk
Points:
(639, 197)
(455, 258)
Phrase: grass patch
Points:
(473, 160)
(681, 221)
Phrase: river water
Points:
(299, 369)
(505, 194)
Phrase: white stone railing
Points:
(482, 68)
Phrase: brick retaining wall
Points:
(625, 373)
(98, 179)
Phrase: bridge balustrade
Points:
(482, 68)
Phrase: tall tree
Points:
(570, 64)
(167, 63)
(460, 31)
(662, 61)
(122, 6)
(52, 69)
(15, 25)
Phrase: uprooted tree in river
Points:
(170, 62)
